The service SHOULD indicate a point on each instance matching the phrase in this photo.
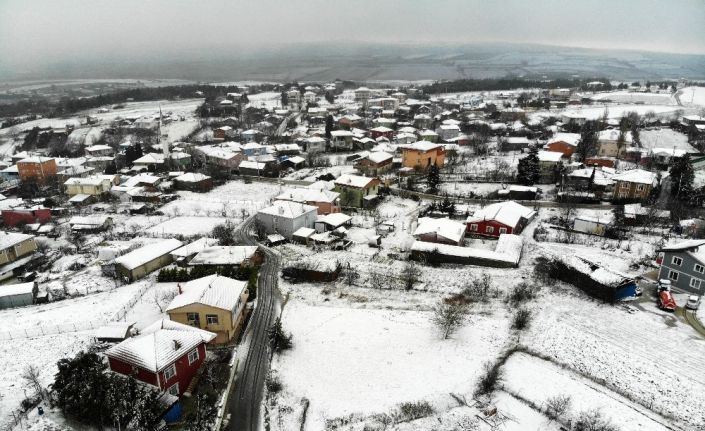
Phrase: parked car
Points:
(663, 285)
(693, 302)
(28, 276)
(665, 300)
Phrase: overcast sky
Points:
(40, 31)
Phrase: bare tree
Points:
(557, 407)
(350, 274)
(448, 317)
(162, 298)
(410, 275)
(31, 375)
(593, 420)
(377, 279)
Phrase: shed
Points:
(140, 262)
(303, 235)
(17, 295)
(114, 331)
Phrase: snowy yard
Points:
(349, 361)
(187, 226)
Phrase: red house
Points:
(166, 354)
(565, 143)
(497, 219)
(15, 216)
(382, 131)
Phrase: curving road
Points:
(246, 401)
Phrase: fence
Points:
(43, 330)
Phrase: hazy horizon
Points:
(71, 37)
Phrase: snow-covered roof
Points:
(340, 133)
(684, 245)
(550, 156)
(508, 249)
(353, 181)
(159, 345)
(194, 247)
(444, 227)
(639, 176)
(508, 213)
(381, 129)
(192, 177)
(422, 146)
(147, 253)
(334, 219)
(36, 159)
(287, 209)
(150, 159)
(308, 195)
(85, 181)
(16, 289)
(213, 290)
(613, 135)
(9, 239)
(569, 138)
(114, 330)
(249, 164)
(304, 232)
(224, 255)
(379, 157)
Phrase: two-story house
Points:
(423, 154)
(166, 354)
(356, 190)
(213, 303)
(684, 265)
(634, 185)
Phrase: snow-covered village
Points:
(431, 239)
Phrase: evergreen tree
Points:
(278, 339)
(528, 170)
(433, 178)
(329, 126)
(591, 181)
(682, 175)
(204, 413)
(110, 168)
(285, 99)
(330, 97)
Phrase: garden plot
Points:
(84, 312)
(650, 356)
(186, 226)
(228, 200)
(666, 139)
(348, 361)
(537, 380)
(42, 352)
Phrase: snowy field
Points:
(692, 96)
(634, 97)
(228, 200)
(538, 380)
(187, 226)
(666, 138)
(348, 361)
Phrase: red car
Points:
(666, 301)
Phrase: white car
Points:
(693, 302)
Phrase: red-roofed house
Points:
(502, 217)
(564, 143)
(166, 354)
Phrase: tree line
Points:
(491, 84)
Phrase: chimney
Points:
(177, 345)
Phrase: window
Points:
(192, 318)
(695, 283)
(212, 319)
(677, 260)
(699, 268)
(473, 227)
(502, 230)
(641, 187)
(673, 275)
(489, 229)
(169, 372)
(192, 356)
(174, 389)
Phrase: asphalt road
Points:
(246, 402)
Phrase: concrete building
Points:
(285, 217)
(213, 303)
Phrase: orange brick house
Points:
(423, 154)
(36, 168)
(565, 143)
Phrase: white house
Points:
(286, 217)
